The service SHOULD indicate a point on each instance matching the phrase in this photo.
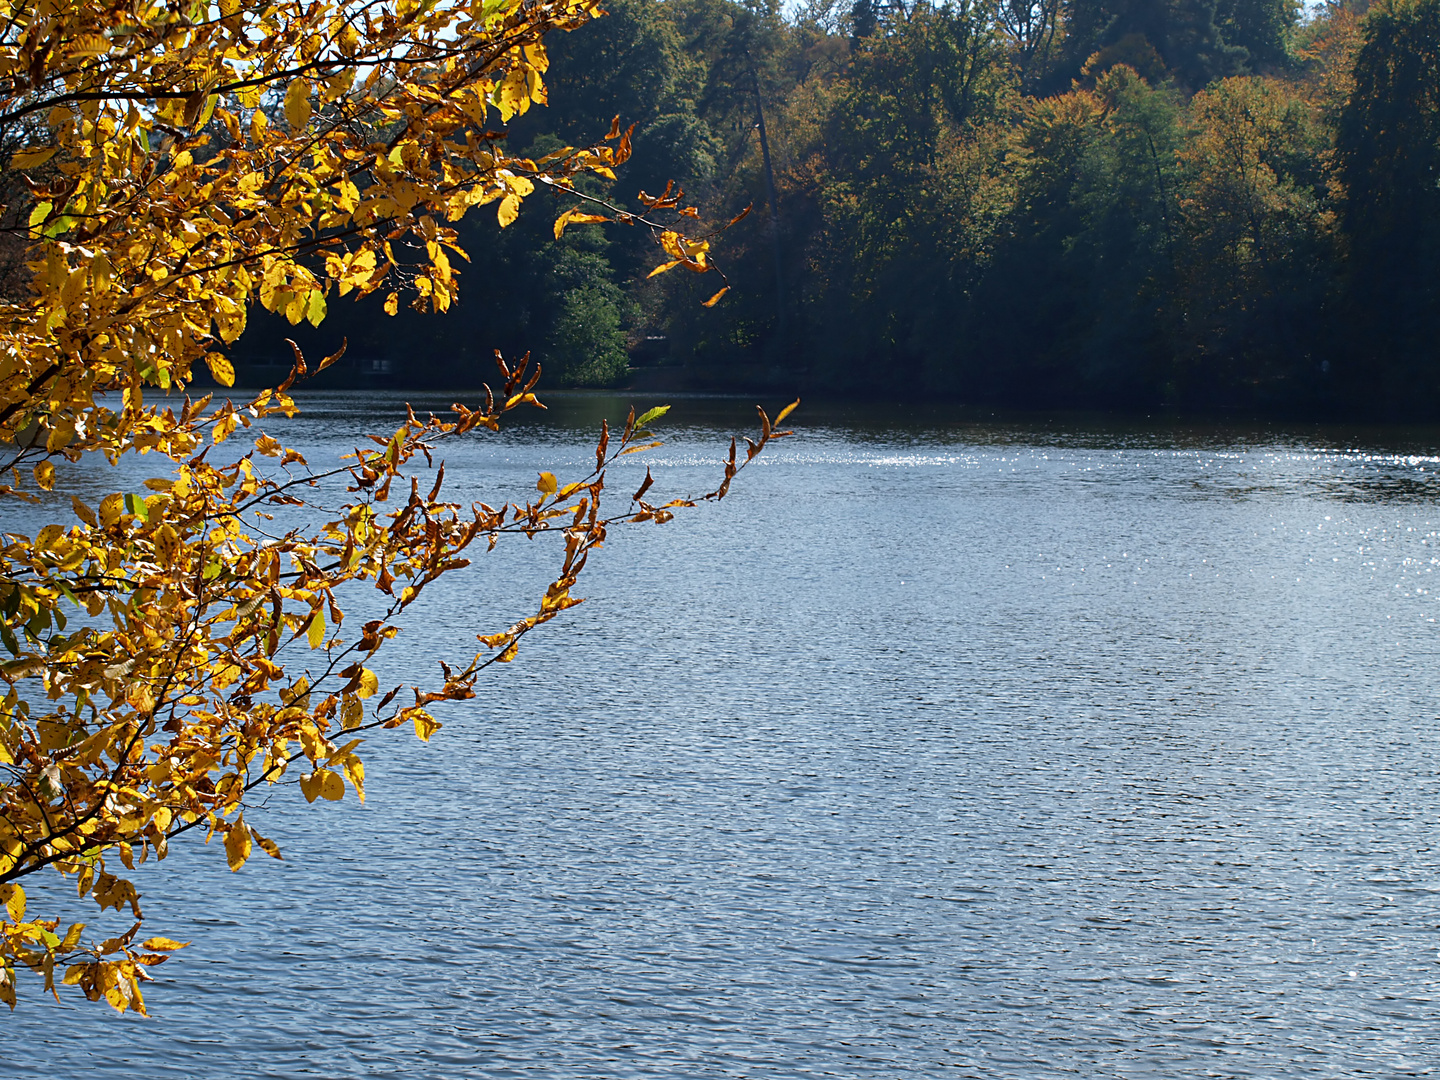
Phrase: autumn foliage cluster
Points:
(1205, 204)
(1200, 204)
(172, 167)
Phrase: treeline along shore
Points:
(1127, 204)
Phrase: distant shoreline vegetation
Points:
(1205, 205)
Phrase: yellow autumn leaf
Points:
(32, 157)
(220, 369)
(225, 675)
(111, 507)
(575, 216)
(230, 319)
(508, 210)
(369, 684)
(269, 847)
(352, 713)
(546, 485)
(237, 843)
(355, 771)
(45, 475)
(297, 104)
(425, 724)
(163, 944)
(13, 897)
(343, 752)
(83, 512)
(310, 784)
(167, 545)
(316, 634)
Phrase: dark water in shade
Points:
(951, 745)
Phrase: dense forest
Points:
(1201, 204)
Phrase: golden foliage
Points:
(182, 162)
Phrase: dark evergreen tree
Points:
(1261, 27)
(1190, 36)
(1388, 150)
(864, 19)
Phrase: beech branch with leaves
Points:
(175, 163)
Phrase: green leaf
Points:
(652, 414)
(63, 223)
(315, 308)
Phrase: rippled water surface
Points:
(949, 745)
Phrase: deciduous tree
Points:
(172, 650)
(1388, 157)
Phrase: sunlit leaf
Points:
(310, 786)
(509, 210)
(29, 159)
(163, 944)
(576, 217)
(316, 634)
(221, 369)
(237, 843)
(425, 724)
(332, 787)
(369, 684)
(297, 104)
(83, 512)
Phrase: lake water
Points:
(949, 745)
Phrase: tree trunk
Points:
(770, 198)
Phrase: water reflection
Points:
(1385, 488)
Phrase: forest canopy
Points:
(1100, 203)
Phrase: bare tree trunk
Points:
(770, 198)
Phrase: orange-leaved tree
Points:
(168, 651)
